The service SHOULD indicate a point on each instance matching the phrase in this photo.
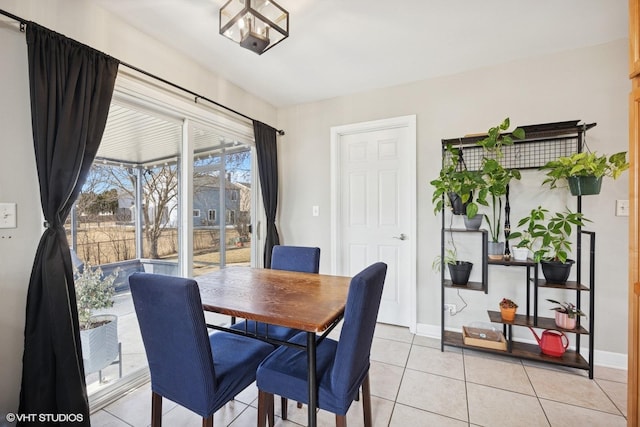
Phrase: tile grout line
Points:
(609, 397)
(466, 390)
(404, 370)
(116, 417)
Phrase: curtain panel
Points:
(71, 86)
(267, 151)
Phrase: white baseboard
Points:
(600, 357)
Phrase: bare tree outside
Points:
(160, 203)
(106, 210)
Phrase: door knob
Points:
(402, 236)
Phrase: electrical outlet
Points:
(451, 308)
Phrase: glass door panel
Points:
(238, 206)
(124, 221)
(221, 202)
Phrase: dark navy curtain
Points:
(71, 86)
(267, 151)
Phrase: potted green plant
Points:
(98, 333)
(547, 237)
(566, 314)
(497, 179)
(458, 270)
(508, 309)
(584, 171)
(464, 188)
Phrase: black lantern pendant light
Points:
(257, 25)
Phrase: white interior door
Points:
(374, 201)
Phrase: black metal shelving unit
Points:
(542, 143)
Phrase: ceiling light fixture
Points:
(257, 25)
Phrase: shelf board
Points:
(533, 133)
(543, 322)
(527, 263)
(570, 285)
(522, 350)
(472, 286)
(464, 230)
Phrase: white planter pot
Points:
(520, 254)
(100, 344)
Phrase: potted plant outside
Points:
(458, 270)
(98, 333)
(508, 309)
(566, 314)
(497, 179)
(464, 188)
(548, 240)
(584, 171)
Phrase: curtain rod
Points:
(197, 96)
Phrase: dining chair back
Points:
(295, 258)
(189, 366)
(341, 367)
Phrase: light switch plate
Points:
(8, 215)
(622, 207)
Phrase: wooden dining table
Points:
(313, 303)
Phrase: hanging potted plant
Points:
(98, 333)
(458, 270)
(548, 240)
(464, 189)
(566, 314)
(584, 171)
(497, 179)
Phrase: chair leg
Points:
(156, 410)
(207, 422)
(283, 407)
(265, 408)
(366, 402)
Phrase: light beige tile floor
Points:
(413, 383)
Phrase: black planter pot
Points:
(556, 271)
(458, 207)
(460, 272)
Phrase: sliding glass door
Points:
(170, 192)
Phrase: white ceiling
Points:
(338, 47)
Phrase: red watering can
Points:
(553, 343)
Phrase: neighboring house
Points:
(206, 201)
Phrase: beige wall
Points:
(588, 84)
(18, 182)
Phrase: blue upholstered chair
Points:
(189, 366)
(292, 258)
(341, 367)
(295, 258)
